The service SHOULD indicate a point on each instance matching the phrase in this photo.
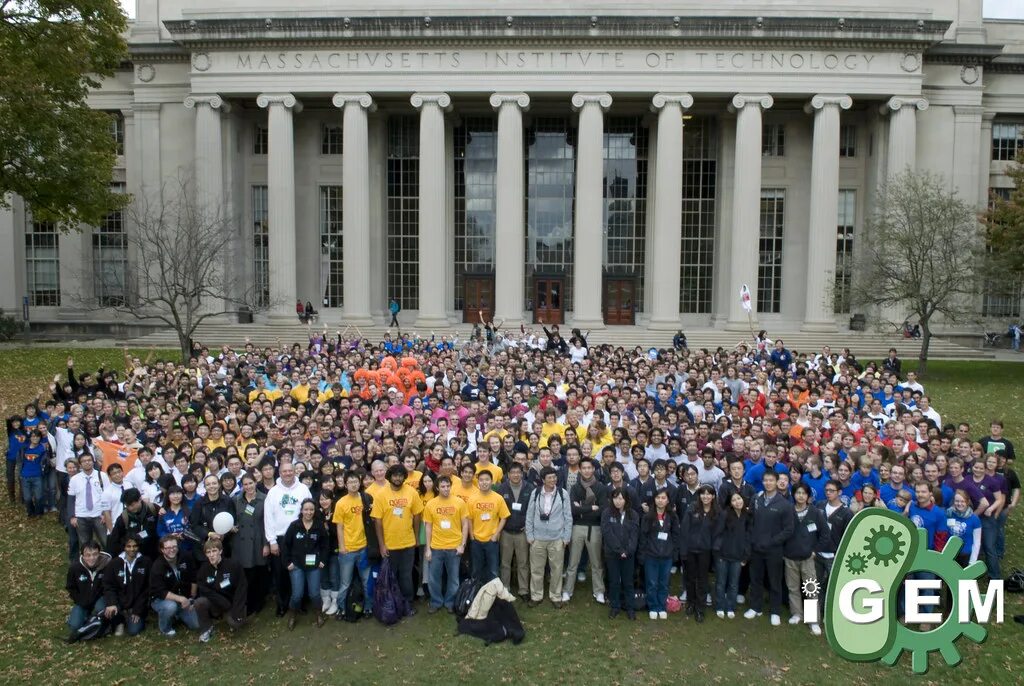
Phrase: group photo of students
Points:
(276, 481)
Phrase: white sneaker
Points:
(119, 631)
(741, 599)
(599, 597)
(566, 597)
(662, 615)
(581, 576)
(796, 619)
(206, 635)
(683, 597)
(730, 614)
(721, 614)
(777, 620)
(652, 614)
(751, 614)
(673, 570)
(816, 630)
(170, 633)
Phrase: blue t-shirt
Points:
(858, 480)
(817, 484)
(932, 520)
(888, 493)
(963, 526)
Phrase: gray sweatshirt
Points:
(559, 520)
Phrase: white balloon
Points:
(223, 522)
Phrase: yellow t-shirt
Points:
(395, 510)
(349, 513)
(301, 393)
(460, 491)
(485, 512)
(445, 515)
(212, 444)
(271, 395)
(496, 472)
(548, 430)
(500, 433)
(373, 489)
(414, 478)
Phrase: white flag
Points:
(745, 297)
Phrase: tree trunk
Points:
(926, 339)
(185, 344)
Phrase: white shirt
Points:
(112, 500)
(78, 487)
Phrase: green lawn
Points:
(575, 645)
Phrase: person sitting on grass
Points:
(221, 587)
(85, 586)
(126, 588)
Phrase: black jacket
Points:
(700, 529)
(732, 536)
(200, 520)
(773, 524)
(837, 523)
(142, 524)
(162, 579)
(665, 540)
(298, 543)
(634, 498)
(224, 585)
(620, 535)
(644, 491)
(728, 488)
(84, 585)
(583, 512)
(809, 534)
(684, 499)
(516, 522)
(126, 590)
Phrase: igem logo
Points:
(882, 557)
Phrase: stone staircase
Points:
(866, 345)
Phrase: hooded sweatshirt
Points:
(282, 508)
(85, 585)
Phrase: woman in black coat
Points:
(620, 531)
(732, 549)
(249, 545)
(701, 522)
(304, 549)
(662, 540)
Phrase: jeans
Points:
(132, 628)
(620, 581)
(485, 560)
(656, 570)
(50, 490)
(168, 610)
(80, 615)
(766, 567)
(330, 580)
(402, 562)
(989, 546)
(727, 584)
(347, 565)
(443, 562)
(304, 581)
(32, 494)
(1000, 534)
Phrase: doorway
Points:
(547, 308)
(619, 296)
(477, 298)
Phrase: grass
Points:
(577, 644)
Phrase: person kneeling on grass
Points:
(126, 588)
(85, 586)
(172, 587)
(222, 590)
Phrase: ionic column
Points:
(510, 225)
(668, 221)
(355, 204)
(432, 107)
(746, 206)
(819, 314)
(281, 200)
(902, 152)
(209, 159)
(589, 219)
(985, 158)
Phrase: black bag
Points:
(465, 595)
(639, 600)
(354, 601)
(389, 605)
(502, 624)
(1015, 582)
(96, 626)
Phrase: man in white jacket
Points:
(282, 508)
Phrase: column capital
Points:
(520, 100)
(265, 100)
(898, 102)
(581, 100)
(364, 100)
(138, 107)
(213, 100)
(442, 100)
(741, 100)
(821, 101)
(660, 100)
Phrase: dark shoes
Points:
(291, 619)
(700, 617)
(432, 609)
(613, 613)
(557, 604)
(533, 603)
(631, 615)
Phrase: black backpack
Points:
(465, 595)
(1015, 582)
(372, 545)
(354, 601)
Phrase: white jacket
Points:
(486, 596)
(282, 508)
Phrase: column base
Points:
(741, 325)
(587, 324)
(357, 319)
(658, 324)
(820, 326)
(431, 321)
(279, 318)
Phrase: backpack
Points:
(353, 610)
(1015, 582)
(465, 595)
(502, 624)
(372, 544)
(389, 605)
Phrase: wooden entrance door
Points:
(547, 301)
(619, 297)
(478, 299)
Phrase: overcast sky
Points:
(1012, 9)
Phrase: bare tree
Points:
(923, 254)
(178, 275)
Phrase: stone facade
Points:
(642, 162)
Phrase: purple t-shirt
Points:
(990, 486)
(968, 486)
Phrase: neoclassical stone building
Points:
(600, 162)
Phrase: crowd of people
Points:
(526, 456)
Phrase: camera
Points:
(544, 517)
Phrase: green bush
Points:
(9, 326)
